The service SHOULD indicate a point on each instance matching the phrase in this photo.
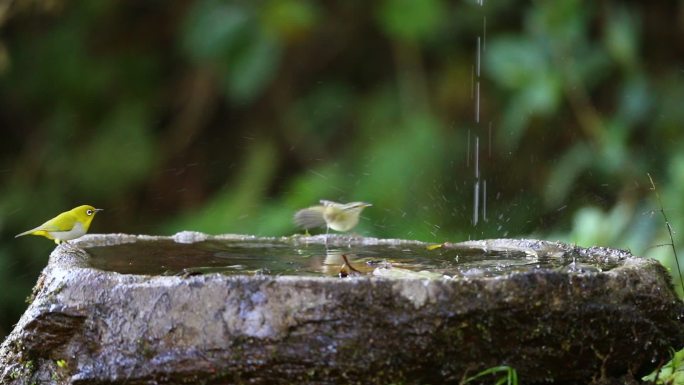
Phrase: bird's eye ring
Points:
(89, 212)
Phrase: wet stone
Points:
(194, 308)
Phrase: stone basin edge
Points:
(71, 255)
(66, 258)
(273, 318)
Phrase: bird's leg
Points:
(66, 244)
(71, 247)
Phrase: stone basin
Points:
(193, 308)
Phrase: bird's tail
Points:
(36, 231)
(24, 233)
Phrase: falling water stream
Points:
(480, 183)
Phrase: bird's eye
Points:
(89, 212)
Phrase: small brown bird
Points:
(332, 215)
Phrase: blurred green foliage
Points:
(227, 116)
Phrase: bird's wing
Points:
(309, 217)
(62, 222)
(329, 203)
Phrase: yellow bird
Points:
(66, 226)
(333, 215)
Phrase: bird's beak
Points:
(98, 210)
(367, 205)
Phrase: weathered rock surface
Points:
(87, 326)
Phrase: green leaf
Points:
(672, 373)
(213, 29)
(636, 100)
(510, 375)
(121, 154)
(322, 113)
(230, 39)
(561, 24)
(252, 68)
(412, 20)
(290, 18)
(514, 62)
(564, 174)
(621, 36)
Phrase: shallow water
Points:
(166, 257)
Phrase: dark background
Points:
(228, 116)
